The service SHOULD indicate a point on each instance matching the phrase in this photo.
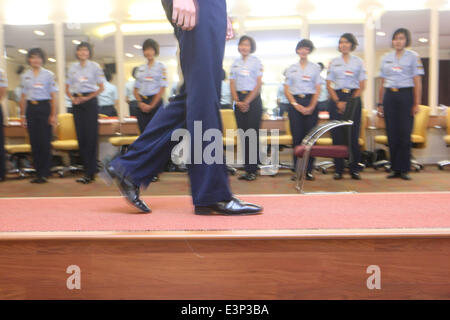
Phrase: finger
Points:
(175, 14)
(193, 21)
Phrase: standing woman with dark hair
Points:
(84, 83)
(348, 75)
(401, 93)
(150, 85)
(3, 88)
(245, 83)
(38, 103)
(302, 88)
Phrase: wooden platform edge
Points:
(306, 234)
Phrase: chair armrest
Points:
(318, 131)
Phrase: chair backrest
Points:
(421, 124)
(448, 120)
(362, 135)
(228, 120)
(66, 127)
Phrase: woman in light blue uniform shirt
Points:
(302, 89)
(3, 88)
(38, 103)
(401, 93)
(85, 81)
(150, 85)
(348, 75)
(107, 100)
(245, 83)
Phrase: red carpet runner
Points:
(290, 212)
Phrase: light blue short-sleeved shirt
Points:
(129, 90)
(150, 80)
(3, 79)
(323, 96)
(38, 87)
(109, 96)
(281, 96)
(303, 81)
(347, 75)
(85, 79)
(246, 73)
(400, 73)
(225, 98)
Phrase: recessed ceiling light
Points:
(129, 55)
(381, 33)
(137, 46)
(423, 40)
(51, 59)
(77, 42)
(23, 51)
(39, 33)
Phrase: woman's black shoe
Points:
(337, 176)
(86, 180)
(310, 177)
(248, 177)
(39, 180)
(394, 175)
(405, 176)
(355, 176)
(155, 179)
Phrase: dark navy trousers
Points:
(86, 124)
(201, 55)
(40, 133)
(144, 118)
(301, 125)
(246, 121)
(2, 147)
(399, 124)
(338, 134)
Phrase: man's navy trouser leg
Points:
(201, 55)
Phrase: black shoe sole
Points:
(212, 212)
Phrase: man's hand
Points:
(144, 107)
(230, 32)
(184, 14)
(309, 110)
(341, 105)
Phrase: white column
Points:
(305, 33)
(60, 65)
(433, 76)
(120, 68)
(370, 63)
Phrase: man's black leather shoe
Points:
(394, 175)
(39, 180)
(405, 176)
(128, 189)
(235, 207)
(310, 177)
(86, 180)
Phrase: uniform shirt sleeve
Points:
(260, 69)
(53, 85)
(69, 79)
(115, 94)
(362, 71)
(418, 66)
(382, 74)
(3, 79)
(289, 81)
(232, 72)
(137, 83)
(331, 76)
(22, 85)
(99, 75)
(164, 82)
(318, 79)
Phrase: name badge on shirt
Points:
(148, 78)
(38, 86)
(397, 69)
(84, 79)
(306, 78)
(245, 72)
(349, 73)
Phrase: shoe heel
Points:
(203, 211)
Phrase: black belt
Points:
(303, 96)
(399, 89)
(146, 97)
(346, 91)
(36, 102)
(81, 94)
(244, 92)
